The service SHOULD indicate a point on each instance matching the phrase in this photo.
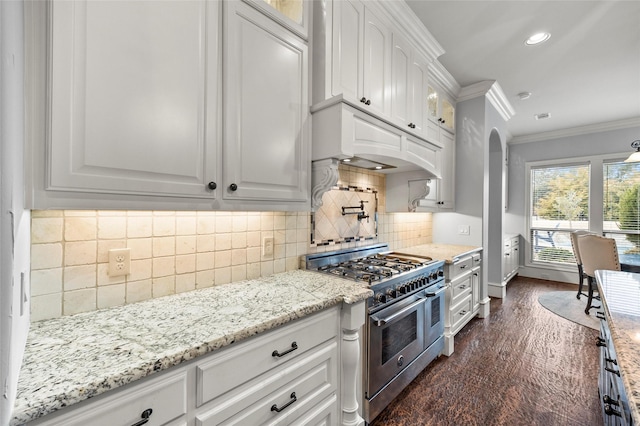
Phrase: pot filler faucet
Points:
(361, 214)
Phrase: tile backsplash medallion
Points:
(178, 251)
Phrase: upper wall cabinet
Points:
(360, 56)
(408, 87)
(133, 98)
(266, 101)
(133, 108)
(376, 56)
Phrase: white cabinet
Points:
(133, 105)
(160, 399)
(360, 56)
(511, 257)
(133, 98)
(272, 379)
(462, 295)
(266, 137)
(408, 88)
(440, 111)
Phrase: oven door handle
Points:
(434, 293)
(382, 321)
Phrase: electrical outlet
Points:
(119, 262)
(267, 246)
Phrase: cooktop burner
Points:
(375, 267)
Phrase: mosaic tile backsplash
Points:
(348, 213)
(177, 251)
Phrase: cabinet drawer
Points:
(324, 414)
(460, 288)
(236, 365)
(294, 389)
(460, 267)
(476, 261)
(165, 396)
(460, 313)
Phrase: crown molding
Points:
(413, 28)
(493, 93)
(577, 131)
(440, 75)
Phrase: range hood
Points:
(343, 132)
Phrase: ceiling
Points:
(587, 73)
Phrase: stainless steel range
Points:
(405, 317)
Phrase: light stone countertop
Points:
(447, 252)
(620, 294)
(73, 358)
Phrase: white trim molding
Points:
(577, 131)
(494, 94)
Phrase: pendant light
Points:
(635, 156)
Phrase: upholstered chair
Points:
(576, 254)
(596, 252)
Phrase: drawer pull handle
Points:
(610, 411)
(275, 353)
(600, 315)
(463, 313)
(611, 370)
(146, 414)
(612, 361)
(607, 400)
(600, 341)
(293, 399)
(463, 266)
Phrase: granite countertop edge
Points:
(284, 297)
(624, 328)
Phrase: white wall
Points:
(14, 220)
(600, 143)
(469, 168)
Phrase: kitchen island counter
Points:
(446, 252)
(620, 295)
(73, 358)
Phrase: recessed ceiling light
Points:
(537, 38)
(542, 116)
(524, 95)
(346, 160)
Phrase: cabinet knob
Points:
(212, 185)
(233, 187)
(363, 100)
(412, 126)
(368, 102)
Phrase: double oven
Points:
(405, 317)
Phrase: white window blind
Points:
(621, 216)
(559, 205)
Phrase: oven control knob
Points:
(403, 288)
(440, 273)
(434, 276)
(392, 293)
(423, 281)
(381, 298)
(400, 360)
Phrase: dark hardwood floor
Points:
(523, 365)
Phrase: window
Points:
(621, 216)
(559, 196)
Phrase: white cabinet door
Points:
(347, 52)
(133, 97)
(401, 70)
(377, 64)
(446, 185)
(408, 87)
(265, 149)
(417, 94)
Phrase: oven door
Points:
(434, 314)
(396, 337)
